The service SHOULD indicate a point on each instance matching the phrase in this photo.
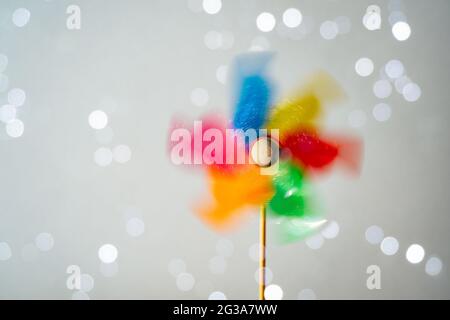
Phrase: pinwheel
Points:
(283, 151)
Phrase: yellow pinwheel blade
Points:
(304, 109)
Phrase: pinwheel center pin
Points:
(264, 152)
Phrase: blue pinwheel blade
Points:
(253, 91)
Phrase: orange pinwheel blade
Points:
(233, 192)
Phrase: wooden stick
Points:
(262, 252)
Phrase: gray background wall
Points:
(139, 61)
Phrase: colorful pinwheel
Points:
(287, 149)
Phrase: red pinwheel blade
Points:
(312, 152)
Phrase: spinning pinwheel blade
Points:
(288, 148)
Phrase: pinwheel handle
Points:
(262, 251)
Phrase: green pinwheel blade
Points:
(292, 196)
(294, 203)
(295, 229)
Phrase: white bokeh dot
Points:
(21, 17)
(80, 295)
(185, 281)
(135, 227)
(87, 282)
(329, 30)
(15, 128)
(222, 73)
(415, 253)
(331, 230)
(7, 113)
(389, 246)
(260, 43)
(364, 67)
(400, 83)
(98, 119)
(103, 156)
(213, 40)
(217, 295)
(411, 92)
(131, 211)
(373, 8)
(315, 242)
(268, 275)
(107, 253)
(5, 251)
(122, 153)
(374, 234)
(292, 18)
(212, 6)
(307, 294)
(344, 24)
(372, 21)
(273, 292)
(433, 266)
(401, 30)
(382, 89)
(199, 97)
(394, 69)
(16, 97)
(44, 241)
(265, 22)
(382, 112)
